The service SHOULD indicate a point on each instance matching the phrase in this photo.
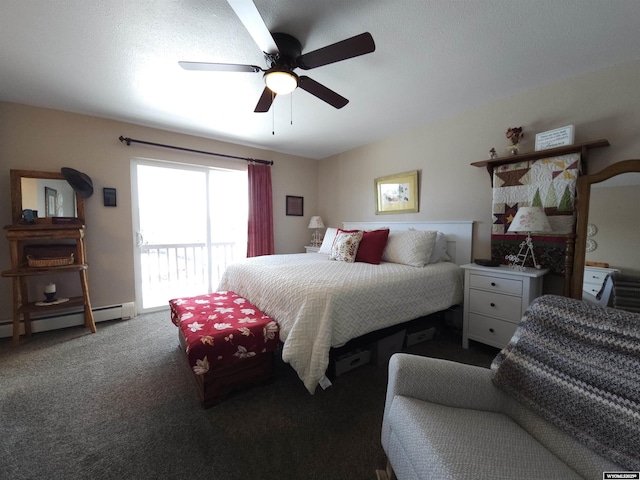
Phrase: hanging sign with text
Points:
(559, 137)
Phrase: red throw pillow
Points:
(372, 245)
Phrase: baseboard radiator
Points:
(71, 319)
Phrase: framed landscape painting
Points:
(397, 193)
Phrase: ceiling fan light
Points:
(280, 82)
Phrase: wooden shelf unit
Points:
(32, 307)
(26, 271)
(582, 148)
(42, 234)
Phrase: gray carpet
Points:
(120, 404)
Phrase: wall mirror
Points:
(608, 221)
(46, 192)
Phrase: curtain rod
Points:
(129, 141)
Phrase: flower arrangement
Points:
(514, 134)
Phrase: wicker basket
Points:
(50, 262)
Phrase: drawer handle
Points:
(492, 304)
(493, 284)
(491, 330)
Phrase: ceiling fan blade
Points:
(252, 21)
(322, 92)
(219, 67)
(349, 48)
(266, 99)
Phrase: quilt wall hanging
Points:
(547, 182)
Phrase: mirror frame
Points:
(583, 189)
(16, 177)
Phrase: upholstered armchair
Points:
(446, 420)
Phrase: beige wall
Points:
(40, 139)
(605, 104)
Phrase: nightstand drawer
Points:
(595, 276)
(491, 330)
(496, 284)
(495, 305)
(591, 288)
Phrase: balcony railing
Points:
(180, 270)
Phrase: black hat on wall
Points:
(80, 182)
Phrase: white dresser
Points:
(594, 278)
(495, 298)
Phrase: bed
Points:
(321, 304)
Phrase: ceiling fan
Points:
(283, 54)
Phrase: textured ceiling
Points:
(433, 59)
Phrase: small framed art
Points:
(397, 193)
(51, 201)
(109, 196)
(295, 206)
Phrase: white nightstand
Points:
(594, 278)
(495, 298)
(311, 249)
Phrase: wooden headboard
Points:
(459, 234)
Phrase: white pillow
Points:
(327, 241)
(410, 247)
(439, 253)
(345, 246)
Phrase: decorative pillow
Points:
(410, 247)
(327, 241)
(345, 246)
(372, 245)
(439, 253)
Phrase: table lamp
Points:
(527, 219)
(316, 238)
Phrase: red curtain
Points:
(260, 233)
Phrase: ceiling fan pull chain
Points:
(273, 116)
(291, 113)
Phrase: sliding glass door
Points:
(189, 223)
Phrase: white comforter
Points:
(320, 303)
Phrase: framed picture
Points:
(555, 138)
(50, 202)
(397, 193)
(295, 206)
(109, 197)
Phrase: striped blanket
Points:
(578, 366)
(626, 291)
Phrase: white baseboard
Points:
(72, 319)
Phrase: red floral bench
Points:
(229, 342)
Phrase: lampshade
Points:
(530, 219)
(281, 82)
(316, 222)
